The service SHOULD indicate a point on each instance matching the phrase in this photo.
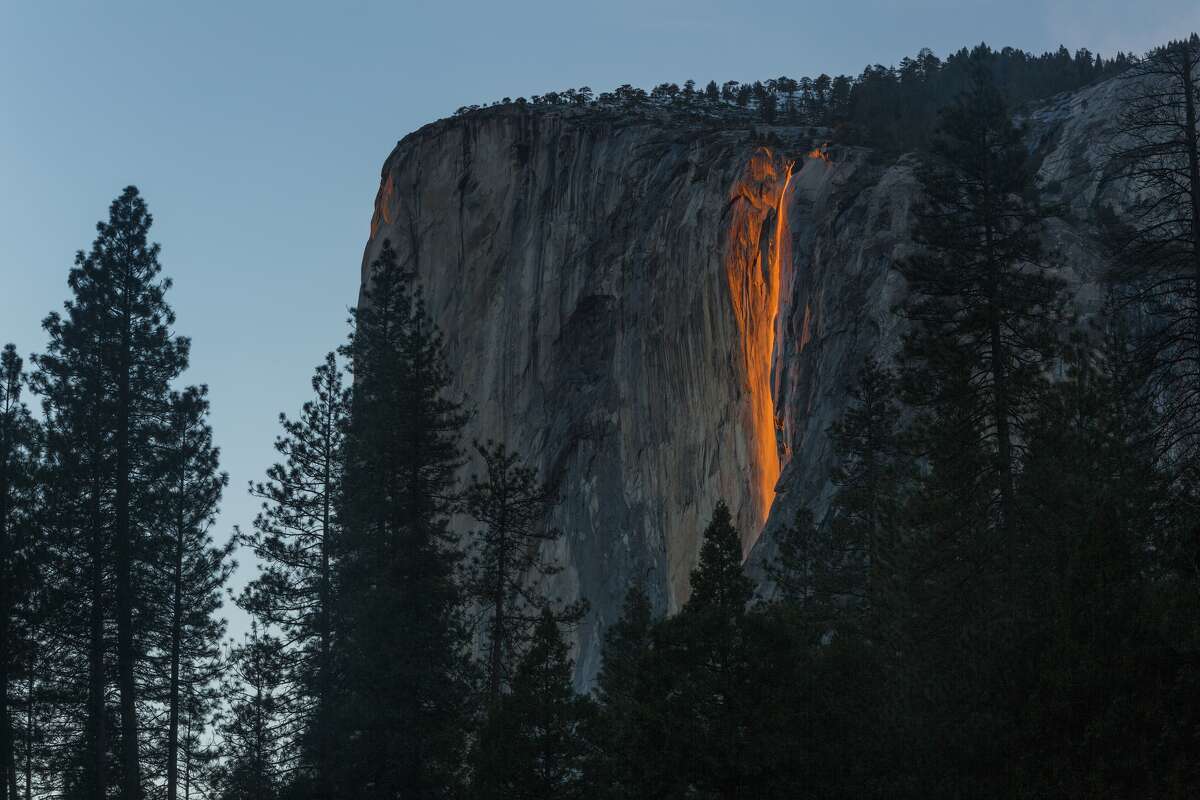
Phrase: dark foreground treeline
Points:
(1001, 600)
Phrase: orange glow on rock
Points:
(821, 153)
(754, 270)
(383, 205)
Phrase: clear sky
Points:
(256, 132)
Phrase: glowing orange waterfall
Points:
(754, 269)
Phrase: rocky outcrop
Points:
(659, 313)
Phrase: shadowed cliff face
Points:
(659, 315)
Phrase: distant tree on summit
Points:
(788, 88)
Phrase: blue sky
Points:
(256, 132)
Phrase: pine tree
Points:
(142, 358)
(77, 475)
(105, 379)
(719, 584)
(1157, 243)
(804, 556)
(198, 570)
(296, 539)
(621, 735)
(18, 465)
(706, 649)
(848, 570)
(200, 753)
(1101, 575)
(253, 747)
(532, 744)
(985, 311)
(869, 481)
(404, 719)
(506, 561)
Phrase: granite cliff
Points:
(660, 312)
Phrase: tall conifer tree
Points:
(189, 646)
(405, 643)
(622, 732)
(533, 740)
(296, 539)
(985, 311)
(106, 378)
(253, 741)
(706, 651)
(1157, 243)
(506, 560)
(18, 467)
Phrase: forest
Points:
(1001, 600)
(890, 109)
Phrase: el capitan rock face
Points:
(660, 313)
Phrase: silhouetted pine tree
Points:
(848, 568)
(296, 539)
(987, 317)
(77, 478)
(1107, 696)
(1158, 241)
(189, 650)
(105, 378)
(18, 497)
(405, 715)
(506, 562)
(985, 312)
(253, 745)
(622, 733)
(706, 652)
(870, 478)
(532, 745)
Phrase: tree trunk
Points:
(187, 751)
(124, 552)
(97, 724)
(7, 762)
(29, 721)
(498, 616)
(1001, 407)
(324, 756)
(176, 642)
(260, 766)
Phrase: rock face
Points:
(661, 313)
